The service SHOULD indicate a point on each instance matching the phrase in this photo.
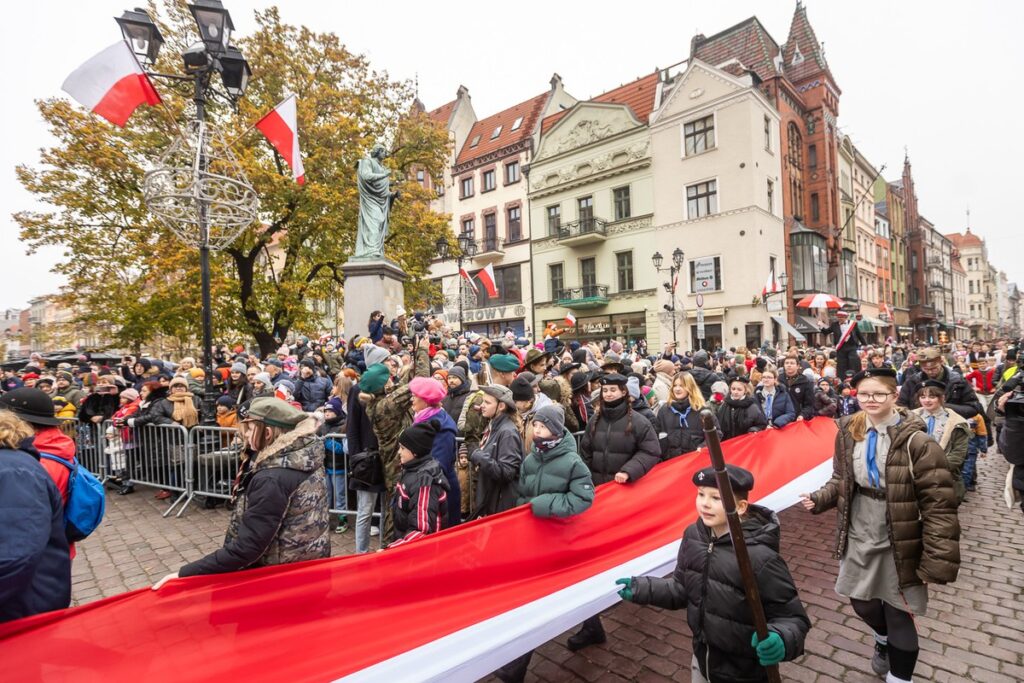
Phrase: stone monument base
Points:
(371, 285)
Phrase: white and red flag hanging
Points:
(112, 84)
(464, 274)
(771, 286)
(281, 128)
(486, 276)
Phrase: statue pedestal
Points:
(371, 285)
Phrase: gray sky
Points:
(938, 77)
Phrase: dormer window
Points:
(496, 133)
(798, 57)
(475, 142)
(518, 122)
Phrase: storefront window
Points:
(623, 327)
(753, 335)
(712, 337)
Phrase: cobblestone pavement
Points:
(974, 630)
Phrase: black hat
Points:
(567, 367)
(419, 438)
(741, 480)
(521, 388)
(614, 379)
(579, 381)
(761, 363)
(872, 372)
(579, 356)
(941, 386)
(307, 362)
(31, 405)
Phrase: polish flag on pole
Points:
(112, 84)
(570, 319)
(465, 275)
(486, 276)
(281, 127)
(771, 286)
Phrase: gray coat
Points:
(498, 458)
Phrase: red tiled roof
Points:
(747, 41)
(968, 239)
(637, 95)
(802, 35)
(529, 110)
(442, 113)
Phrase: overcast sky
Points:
(937, 77)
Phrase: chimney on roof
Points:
(556, 81)
(694, 42)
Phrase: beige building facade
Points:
(716, 167)
(867, 258)
(981, 309)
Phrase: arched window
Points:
(796, 146)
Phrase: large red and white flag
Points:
(570, 319)
(112, 84)
(519, 581)
(486, 276)
(771, 286)
(464, 274)
(281, 127)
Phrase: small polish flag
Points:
(281, 127)
(771, 286)
(486, 276)
(465, 275)
(112, 84)
(570, 319)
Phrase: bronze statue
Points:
(375, 200)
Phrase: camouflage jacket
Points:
(391, 412)
(280, 512)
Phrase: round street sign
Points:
(700, 301)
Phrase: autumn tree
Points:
(126, 270)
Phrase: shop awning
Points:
(808, 325)
(877, 322)
(784, 324)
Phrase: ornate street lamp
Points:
(142, 34)
(677, 265)
(467, 250)
(197, 187)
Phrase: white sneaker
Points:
(374, 531)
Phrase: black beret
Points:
(873, 372)
(741, 480)
(941, 386)
(613, 378)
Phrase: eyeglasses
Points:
(875, 398)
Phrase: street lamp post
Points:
(783, 280)
(467, 250)
(673, 270)
(197, 186)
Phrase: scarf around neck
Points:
(426, 414)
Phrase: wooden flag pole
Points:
(736, 533)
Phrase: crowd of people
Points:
(446, 427)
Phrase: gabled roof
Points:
(968, 239)
(443, 113)
(882, 209)
(637, 95)
(747, 41)
(812, 57)
(484, 128)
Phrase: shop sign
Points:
(494, 313)
(704, 275)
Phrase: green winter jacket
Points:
(556, 483)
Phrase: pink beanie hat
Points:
(428, 389)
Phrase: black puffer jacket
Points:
(157, 409)
(619, 440)
(679, 429)
(744, 416)
(455, 400)
(641, 406)
(960, 397)
(705, 379)
(801, 392)
(707, 583)
(420, 502)
(499, 458)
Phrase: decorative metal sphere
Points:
(198, 190)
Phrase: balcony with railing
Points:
(582, 231)
(587, 296)
(490, 249)
(922, 313)
(934, 260)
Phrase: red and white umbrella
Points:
(820, 300)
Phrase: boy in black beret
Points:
(421, 494)
(707, 583)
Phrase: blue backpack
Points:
(86, 500)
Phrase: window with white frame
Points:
(702, 199)
(699, 135)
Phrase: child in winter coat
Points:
(420, 500)
(707, 583)
(946, 426)
(556, 483)
(848, 404)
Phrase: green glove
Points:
(771, 650)
(627, 592)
